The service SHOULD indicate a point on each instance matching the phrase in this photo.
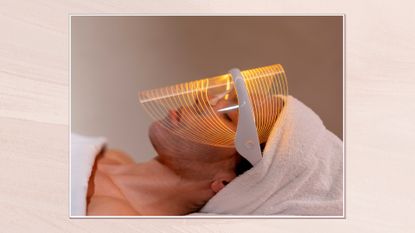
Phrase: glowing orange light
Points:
(208, 107)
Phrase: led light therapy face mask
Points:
(238, 109)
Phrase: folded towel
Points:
(301, 172)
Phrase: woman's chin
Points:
(155, 132)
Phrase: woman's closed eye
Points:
(227, 117)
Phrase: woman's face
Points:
(167, 141)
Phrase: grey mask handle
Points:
(246, 140)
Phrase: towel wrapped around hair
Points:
(301, 172)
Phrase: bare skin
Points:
(120, 186)
(178, 181)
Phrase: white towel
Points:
(83, 153)
(301, 172)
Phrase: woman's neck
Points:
(150, 188)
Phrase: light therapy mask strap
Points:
(246, 139)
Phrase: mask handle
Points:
(246, 140)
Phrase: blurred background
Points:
(114, 57)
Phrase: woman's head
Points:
(190, 158)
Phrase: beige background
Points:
(34, 110)
(112, 58)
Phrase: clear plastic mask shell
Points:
(206, 110)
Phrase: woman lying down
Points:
(301, 173)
